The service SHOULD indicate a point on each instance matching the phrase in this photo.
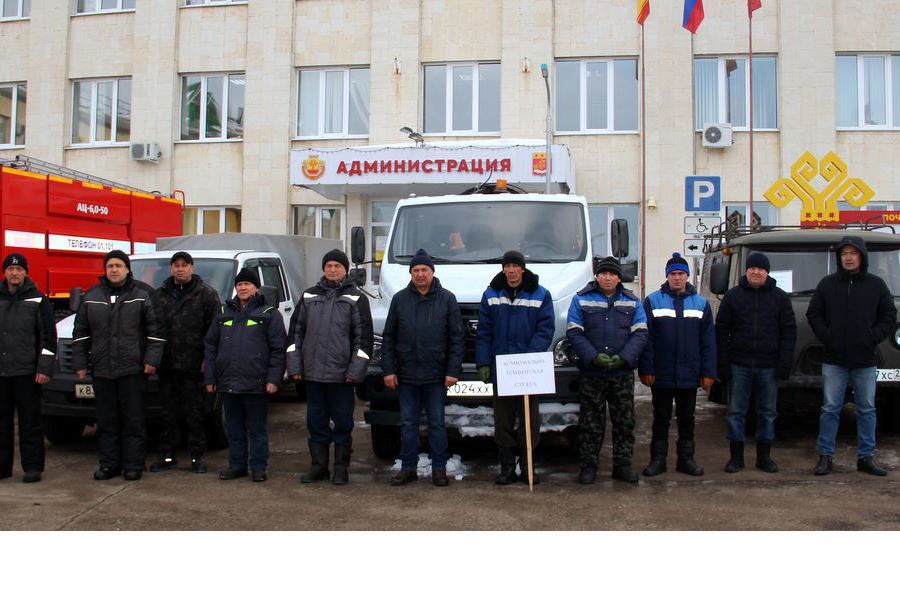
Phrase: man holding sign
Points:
(515, 316)
(607, 327)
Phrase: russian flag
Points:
(693, 15)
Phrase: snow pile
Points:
(455, 467)
(474, 421)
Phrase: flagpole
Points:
(750, 62)
(643, 168)
(693, 114)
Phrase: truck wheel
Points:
(216, 436)
(386, 441)
(888, 414)
(62, 430)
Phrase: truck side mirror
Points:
(358, 277)
(629, 272)
(618, 237)
(75, 297)
(718, 278)
(270, 295)
(358, 245)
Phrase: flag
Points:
(753, 5)
(643, 11)
(693, 15)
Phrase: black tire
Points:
(386, 441)
(62, 430)
(888, 414)
(216, 435)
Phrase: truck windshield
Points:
(218, 273)
(799, 271)
(483, 230)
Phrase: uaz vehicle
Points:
(800, 258)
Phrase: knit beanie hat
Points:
(15, 259)
(337, 256)
(512, 257)
(758, 259)
(249, 275)
(421, 258)
(117, 254)
(610, 264)
(677, 263)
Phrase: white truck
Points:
(286, 264)
(467, 235)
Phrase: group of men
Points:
(125, 331)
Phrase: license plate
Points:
(892, 375)
(470, 388)
(84, 390)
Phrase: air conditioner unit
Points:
(717, 135)
(141, 151)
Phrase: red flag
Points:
(643, 11)
(753, 5)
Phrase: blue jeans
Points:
(247, 414)
(834, 386)
(758, 384)
(412, 397)
(326, 403)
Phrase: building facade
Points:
(221, 92)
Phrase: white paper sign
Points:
(529, 373)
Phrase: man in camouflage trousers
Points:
(607, 327)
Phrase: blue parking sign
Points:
(702, 194)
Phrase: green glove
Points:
(616, 362)
(601, 360)
(484, 373)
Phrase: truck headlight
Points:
(563, 353)
(896, 337)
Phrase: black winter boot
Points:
(736, 463)
(763, 461)
(659, 450)
(341, 464)
(507, 467)
(686, 462)
(523, 468)
(622, 471)
(318, 467)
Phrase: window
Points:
(101, 111)
(15, 9)
(764, 213)
(333, 103)
(721, 92)
(382, 215)
(462, 98)
(212, 107)
(12, 114)
(594, 96)
(868, 91)
(322, 222)
(601, 216)
(92, 6)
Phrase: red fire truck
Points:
(63, 221)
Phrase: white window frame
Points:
(193, 3)
(722, 92)
(100, 9)
(345, 104)
(222, 211)
(634, 226)
(298, 207)
(14, 117)
(21, 13)
(115, 116)
(201, 133)
(582, 97)
(448, 99)
(892, 121)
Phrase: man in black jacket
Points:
(186, 307)
(755, 336)
(329, 350)
(422, 351)
(244, 363)
(117, 332)
(27, 350)
(851, 312)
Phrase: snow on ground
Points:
(455, 467)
